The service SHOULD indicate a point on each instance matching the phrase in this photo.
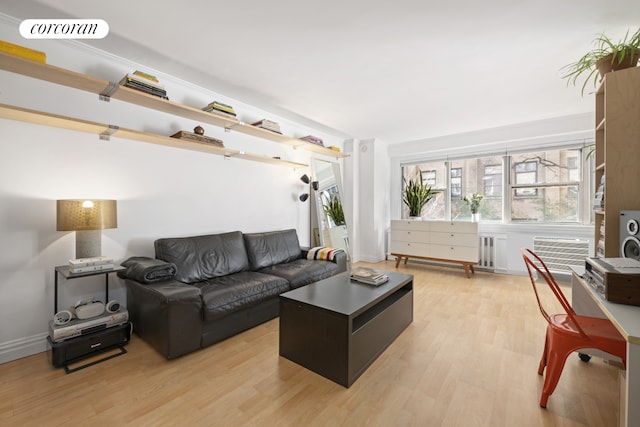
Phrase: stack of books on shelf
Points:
(313, 139)
(144, 82)
(600, 248)
(598, 200)
(219, 107)
(25, 52)
(84, 265)
(268, 125)
(369, 276)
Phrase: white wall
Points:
(161, 191)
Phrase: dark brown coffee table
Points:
(337, 327)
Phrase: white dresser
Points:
(455, 242)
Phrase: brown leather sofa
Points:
(202, 289)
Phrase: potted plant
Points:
(606, 56)
(417, 193)
(333, 208)
(473, 200)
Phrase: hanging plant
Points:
(606, 56)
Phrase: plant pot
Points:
(415, 218)
(475, 217)
(605, 65)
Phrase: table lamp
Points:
(87, 218)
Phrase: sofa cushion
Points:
(301, 272)
(224, 295)
(200, 258)
(271, 248)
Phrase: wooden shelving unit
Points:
(109, 89)
(617, 126)
(107, 131)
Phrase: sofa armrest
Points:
(340, 258)
(167, 314)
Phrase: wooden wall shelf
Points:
(61, 76)
(54, 120)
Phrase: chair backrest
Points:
(534, 263)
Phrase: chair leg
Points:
(543, 359)
(555, 364)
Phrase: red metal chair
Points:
(568, 332)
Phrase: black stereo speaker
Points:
(630, 234)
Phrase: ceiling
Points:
(398, 71)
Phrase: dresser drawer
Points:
(409, 225)
(410, 236)
(455, 239)
(454, 227)
(408, 248)
(457, 253)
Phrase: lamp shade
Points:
(78, 215)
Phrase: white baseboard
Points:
(23, 347)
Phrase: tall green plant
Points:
(417, 193)
(333, 208)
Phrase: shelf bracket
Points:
(105, 95)
(105, 136)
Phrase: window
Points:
(544, 186)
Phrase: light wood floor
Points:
(468, 359)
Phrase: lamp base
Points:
(88, 243)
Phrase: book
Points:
(92, 268)
(24, 52)
(143, 82)
(368, 276)
(147, 76)
(268, 125)
(215, 110)
(87, 262)
(313, 139)
(220, 107)
(133, 83)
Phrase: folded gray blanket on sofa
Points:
(147, 270)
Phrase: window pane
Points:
(532, 197)
(552, 204)
(456, 183)
(482, 176)
(551, 167)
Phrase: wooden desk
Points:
(626, 318)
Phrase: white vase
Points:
(415, 218)
(475, 217)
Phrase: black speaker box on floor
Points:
(73, 350)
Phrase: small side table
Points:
(72, 350)
(66, 273)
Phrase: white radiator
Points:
(487, 256)
(561, 253)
